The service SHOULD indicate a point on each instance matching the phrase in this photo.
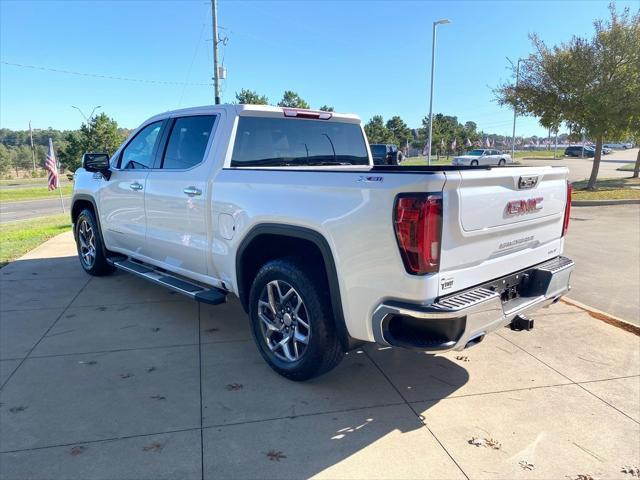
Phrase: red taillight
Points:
(318, 115)
(418, 226)
(567, 209)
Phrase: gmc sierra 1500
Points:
(285, 209)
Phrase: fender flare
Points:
(91, 200)
(319, 241)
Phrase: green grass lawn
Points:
(32, 193)
(608, 189)
(544, 154)
(414, 161)
(17, 238)
(627, 167)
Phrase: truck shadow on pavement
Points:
(95, 370)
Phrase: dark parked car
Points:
(576, 151)
(386, 154)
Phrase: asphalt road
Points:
(605, 244)
(580, 168)
(12, 211)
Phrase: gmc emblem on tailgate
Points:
(520, 207)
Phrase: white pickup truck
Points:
(284, 209)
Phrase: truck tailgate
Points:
(499, 221)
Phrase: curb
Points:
(598, 203)
(603, 316)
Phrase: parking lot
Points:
(117, 378)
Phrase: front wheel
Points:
(474, 163)
(502, 162)
(292, 321)
(90, 246)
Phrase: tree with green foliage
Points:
(5, 159)
(591, 85)
(399, 130)
(326, 108)
(99, 135)
(376, 130)
(251, 97)
(292, 100)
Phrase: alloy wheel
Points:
(284, 321)
(87, 239)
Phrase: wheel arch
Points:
(81, 201)
(286, 234)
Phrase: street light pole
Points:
(87, 119)
(515, 113)
(433, 64)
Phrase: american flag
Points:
(467, 142)
(51, 165)
(454, 144)
(425, 150)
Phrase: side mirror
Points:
(97, 162)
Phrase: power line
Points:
(97, 75)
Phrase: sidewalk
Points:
(105, 378)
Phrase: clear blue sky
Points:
(364, 57)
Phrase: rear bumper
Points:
(463, 319)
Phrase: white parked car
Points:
(619, 146)
(285, 209)
(482, 156)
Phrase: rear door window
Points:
(268, 141)
(188, 142)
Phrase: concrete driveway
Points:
(116, 378)
(605, 244)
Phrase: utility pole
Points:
(216, 78)
(33, 151)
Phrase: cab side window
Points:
(140, 152)
(188, 141)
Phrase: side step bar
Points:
(212, 296)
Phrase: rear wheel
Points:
(90, 246)
(474, 163)
(292, 321)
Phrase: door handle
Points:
(135, 186)
(192, 191)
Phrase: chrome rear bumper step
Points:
(200, 293)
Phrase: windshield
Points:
(378, 150)
(268, 141)
(475, 153)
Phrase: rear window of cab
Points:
(270, 142)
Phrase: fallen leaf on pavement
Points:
(462, 358)
(275, 455)
(17, 409)
(158, 397)
(234, 386)
(151, 369)
(633, 471)
(526, 465)
(75, 451)
(485, 442)
(154, 447)
(126, 375)
(88, 362)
